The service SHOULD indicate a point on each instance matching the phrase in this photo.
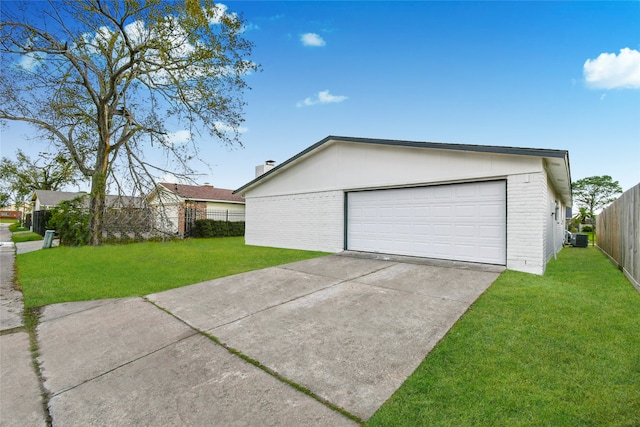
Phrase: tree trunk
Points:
(99, 177)
(97, 205)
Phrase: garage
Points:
(464, 222)
(497, 205)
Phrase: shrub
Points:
(587, 229)
(71, 221)
(213, 228)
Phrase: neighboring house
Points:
(10, 215)
(179, 205)
(47, 199)
(486, 204)
(44, 200)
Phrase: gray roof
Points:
(558, 168)
(53, 198)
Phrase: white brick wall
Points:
(526, 217)
(554, 224)
(310, 221)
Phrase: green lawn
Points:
(561, 349)
(16, 227)
(25, 236)
(64, 274)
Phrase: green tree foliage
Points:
(19, 178)
(5, 199)
(71, 220)
(101, 79)
(595, 192)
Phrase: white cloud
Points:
(227, 128)
(611, 71)
(172, 179)
(30, 61)
(218, 11)
(312, 39)
(178, 137)
(322, 97)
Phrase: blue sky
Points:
(560, 75)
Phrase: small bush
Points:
(203, 228)
(587, 229)
(71, 221)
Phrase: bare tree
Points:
(104, 77)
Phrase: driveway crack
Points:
(265, 368)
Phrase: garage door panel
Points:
(493, 210)
(465, 231)
(468, 212)
(460, 221)
(489, 232)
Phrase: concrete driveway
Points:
(347, 328)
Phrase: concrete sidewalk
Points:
(240, 350)
(20, 401)
(36, 245)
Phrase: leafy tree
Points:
(595, 192)
(583, 216)
(5, 199)
(21, 177)
(102, 79)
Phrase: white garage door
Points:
(465, 222)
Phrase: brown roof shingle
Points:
(203, 192)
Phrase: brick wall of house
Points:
(310, 221)
(181, 219)
(526, 215)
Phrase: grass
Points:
(561, 349)
(22, 234)
(25, 236)
(65, 274)
(15, 227)
(8, 221)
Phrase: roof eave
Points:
(196, 199)
(491, 149)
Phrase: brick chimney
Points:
(262, 169)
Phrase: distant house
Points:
(10, 214)
(45, 200)
(179, 205)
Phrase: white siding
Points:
(165, 204)
(554, 227)
(221, 206)
(309, 221)
(227, 211)
(352, 166)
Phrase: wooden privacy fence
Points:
(619, 234)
